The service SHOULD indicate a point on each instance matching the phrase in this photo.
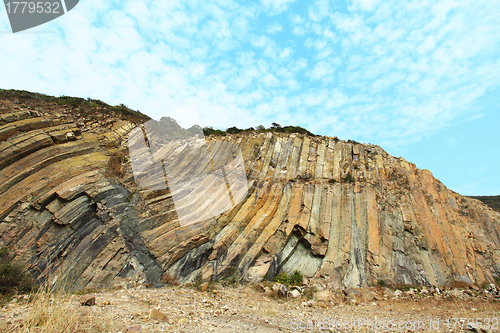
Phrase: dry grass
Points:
(116, 163)
(55, 313)
(170, 280)
(459, 284)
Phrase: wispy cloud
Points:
(274, 28)
(389, 72)
(275, 7)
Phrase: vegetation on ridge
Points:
(492, 201)
(83, 104)
(28, 100)
(275, 127)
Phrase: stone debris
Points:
(282, 290)
(235, 309)
(135, 328)
(293, 293)
(87, 300)
(157, 315)
(476, 328)
(204, 286)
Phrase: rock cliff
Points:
(344, 213)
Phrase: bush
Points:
(234, 130)
(305, 178)
(72, 101)
(348, 178)
(212, 131)
(295, 279)
(170, 280)
(197, 281)
(13, 278)
(274, 128)
(232, 277)
(120, 108)
(332, 181)
(115, 163)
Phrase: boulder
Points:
(87, 300)
(293, 293)
(204, 286)
(156, 314)
(133, 329)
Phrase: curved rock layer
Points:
(346, 213)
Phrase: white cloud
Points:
(270, 80)
(286, 53)
(296, 18)
(319, 10)
(321, 70)
(275, 7)
(298, 65)
(274, 28)
(364, 5)
(392, 71)
(259, 41)
(300, 31)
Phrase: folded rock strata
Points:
(344, 212)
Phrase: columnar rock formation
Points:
(346, 213)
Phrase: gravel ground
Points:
(249, 309)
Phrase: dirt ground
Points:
(247, 308)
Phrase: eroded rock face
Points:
(342, 213)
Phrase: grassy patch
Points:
(13, 278)
(84, 105)
(53, 313)
(403, 287)
(232, 277)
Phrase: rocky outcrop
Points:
(342, 213)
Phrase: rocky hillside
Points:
(343, 213)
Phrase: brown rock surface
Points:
(342, 212)
(87, 300)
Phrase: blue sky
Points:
(419, 78)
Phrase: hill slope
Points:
(344, 213)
